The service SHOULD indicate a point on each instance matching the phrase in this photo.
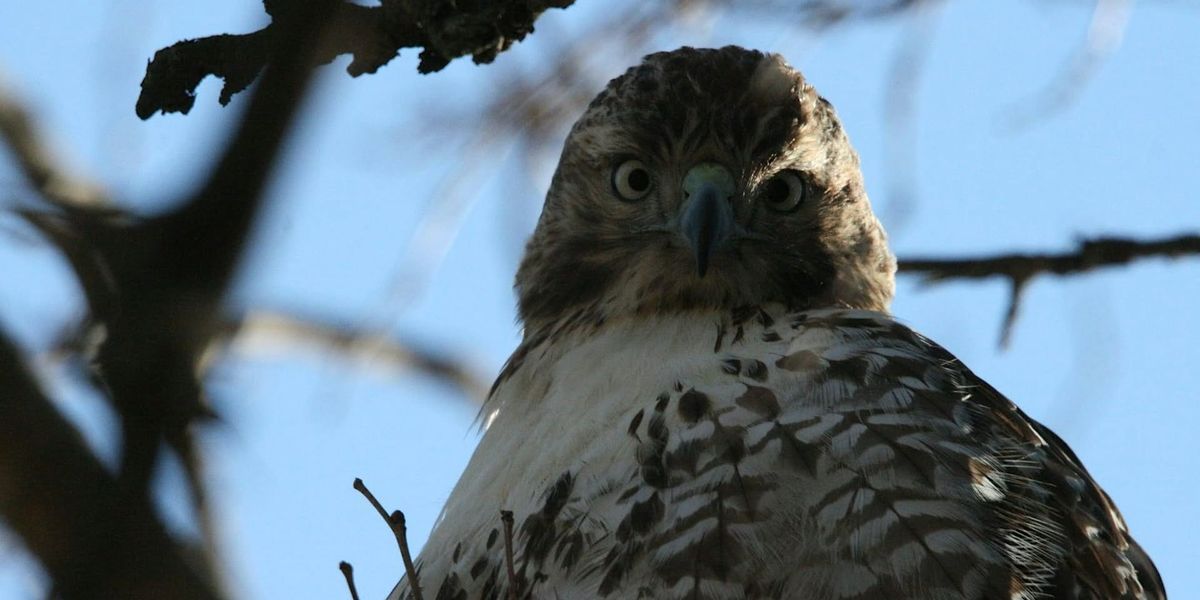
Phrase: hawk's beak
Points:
(707, 217)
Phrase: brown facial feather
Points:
(595, 256)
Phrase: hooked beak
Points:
(707, 218)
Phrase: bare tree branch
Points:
(1019, 269)
(93, 540)
(154, 288)
(56, 185)
(372, 34)
(1091, 254)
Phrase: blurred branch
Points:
(171, 271)
(372, 34)
(266, 330)
(900, 109)
(37, 164)
(154, 288)
(1019, 269)
(94, 541)
(822, 14)
(73, 195)
(1105, 33)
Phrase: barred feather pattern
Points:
(761, 453)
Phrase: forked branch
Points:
(399, 529)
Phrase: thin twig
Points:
(1090, 254)
(1019, 269)
(399, 529)
(1017, 289)
(506, 517)
(400, 526)
(348, 573)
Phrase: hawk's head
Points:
(699, 180)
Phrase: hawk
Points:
(711, 399)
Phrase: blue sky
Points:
(1107, 359)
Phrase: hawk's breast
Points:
(759, 454)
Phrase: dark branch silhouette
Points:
(373, 35)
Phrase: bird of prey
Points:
(711, 399)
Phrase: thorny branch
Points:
(1019, 269)
(372, 34)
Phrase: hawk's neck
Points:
(698, 329)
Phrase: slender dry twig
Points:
(1019, 269)
(506, 517)
(399, 529)
(348, 572)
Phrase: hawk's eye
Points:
(784, 192)
(631, 180)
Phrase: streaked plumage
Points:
(711, 400)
